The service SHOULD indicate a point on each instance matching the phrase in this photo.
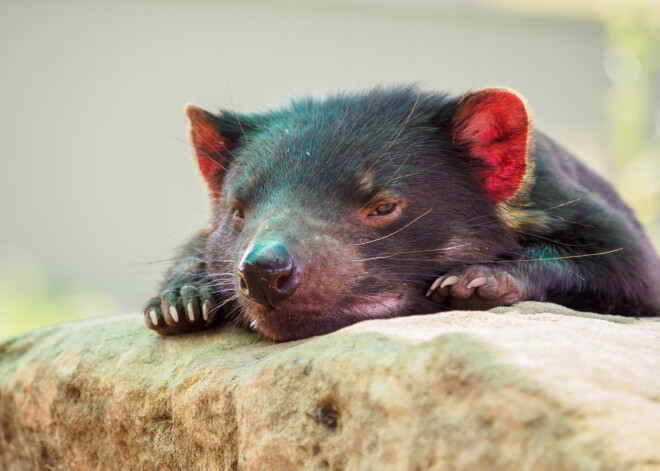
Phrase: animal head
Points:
(332, 210)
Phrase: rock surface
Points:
(532, 387)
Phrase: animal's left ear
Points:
(495, 126)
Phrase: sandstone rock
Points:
(532, 387)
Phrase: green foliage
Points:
(30, 299)
(632, 61)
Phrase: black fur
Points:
(309, 174)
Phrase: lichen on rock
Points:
(534, 386)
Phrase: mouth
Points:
(284, 324)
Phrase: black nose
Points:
(267, 273)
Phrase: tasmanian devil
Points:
(391, 202)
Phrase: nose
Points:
(267, 273)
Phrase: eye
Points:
(237, 214)
(383, 209)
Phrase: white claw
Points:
(434, 285)
(153, 317)
(205, 310)
(452, 280)
(174, 313)
(190, 312)
(477, 282)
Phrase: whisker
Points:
(403, 280)
(238, 120)
(562, 204)
(392, 233)
(212, 142)
(518, 260)
(381, 273)
(571, 222)
(417, 173)
(377, 160)
(554, 241)
(405, 122)
(427, 300)
(398, 253)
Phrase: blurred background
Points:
(96, 186)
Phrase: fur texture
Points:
(376, 195)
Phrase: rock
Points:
(532, 387)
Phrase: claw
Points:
(477, 282)
(153, 317)
(174, 313)
(452, 280)
(190, 312)
(205, 310)
(434, 285)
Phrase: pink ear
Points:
(495, 126)
(209, 146)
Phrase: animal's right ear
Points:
(210, 147)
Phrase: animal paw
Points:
(180, 310)
(477, 287)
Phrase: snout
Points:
(268, 273)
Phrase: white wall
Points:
(95, 182)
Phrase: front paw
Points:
(179, 310)
(477, 287)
